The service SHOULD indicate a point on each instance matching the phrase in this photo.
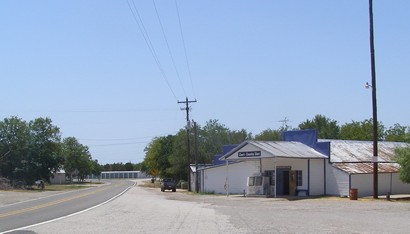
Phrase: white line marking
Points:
(76, 213)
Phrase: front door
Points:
(282, 181)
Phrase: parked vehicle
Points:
(168, 184)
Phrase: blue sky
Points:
(86, 65)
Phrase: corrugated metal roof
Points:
(283, 149)
(362, 151)
(367, 168)
(355, 157)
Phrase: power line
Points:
(116, 144)
(120, 139)
(184, 46)
(169, 49)
(125, 139)
(148, 42)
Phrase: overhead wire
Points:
(114, 144)
(185, 50)
(135, 13)
(169, 49)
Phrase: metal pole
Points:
(374, 104)
(188, 157)
(196, 158)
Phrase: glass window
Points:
(258, 180)
(271, 175)
(251, 181)
(299, 178)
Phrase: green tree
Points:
(214, 135)
(138, 166)
(326, 128)
(77, 158)
(157, 154)
(178, 159)
(361, 130)
(96, 168)
(402, 157)
(398, 133)
(14, 148)
(128, 166)
(45, 143)
(269, 135)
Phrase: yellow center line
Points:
(15, 212)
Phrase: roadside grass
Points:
(149, 184)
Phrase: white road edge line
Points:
(76, 213)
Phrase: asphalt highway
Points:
(31, 212)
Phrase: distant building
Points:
(119, 175)
(58, 177)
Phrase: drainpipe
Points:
(308, 192)
(227, 178)
(324, 176)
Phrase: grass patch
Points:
(149, 184)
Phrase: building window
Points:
(258, 180)
(251, 181)
(299, 178)
(255, 181)
(271, 175)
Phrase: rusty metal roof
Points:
(367, 168)
(355, 157)
(282, 149)
(362, 151)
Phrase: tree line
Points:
(34, 150)
(121, 166)
(166, 156)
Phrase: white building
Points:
(351, 166)
(268, 168)
(302, 165)
(58, 177)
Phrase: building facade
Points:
(302, 165)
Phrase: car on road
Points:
(168, 184)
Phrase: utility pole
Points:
(374, 104)
(188, 144)
(196, 158)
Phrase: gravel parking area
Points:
(148, 210)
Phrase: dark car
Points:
(168, 184)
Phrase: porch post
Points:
(275, 179)
(308, 192)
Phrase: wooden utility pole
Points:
(188, 143)
(374, 104)
(196, 158)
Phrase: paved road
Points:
(30, 212)
(144, 210)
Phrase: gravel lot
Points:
(147, 210)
